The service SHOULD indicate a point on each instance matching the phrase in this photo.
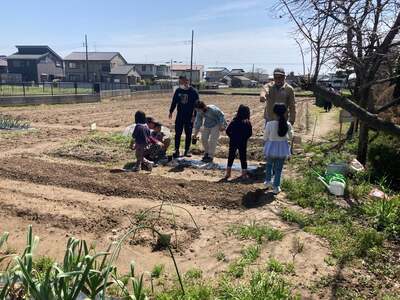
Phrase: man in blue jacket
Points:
(184, 100)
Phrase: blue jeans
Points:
(275, 165)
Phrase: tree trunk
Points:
(363, 143)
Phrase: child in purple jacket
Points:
(141, 136)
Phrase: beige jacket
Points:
(271, 94)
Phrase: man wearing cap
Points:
(278, 91)
(184, 99)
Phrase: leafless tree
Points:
(361, 35)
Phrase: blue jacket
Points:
(211, 118)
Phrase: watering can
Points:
(335, 183)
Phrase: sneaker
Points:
(268, 184)
(277, 190)
(150, 166)
(208, 159)
(176, 154)
(205, 157)
(187, 154)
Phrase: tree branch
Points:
(388, 105)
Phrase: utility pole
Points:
(252, 73)
(191, 60)
(87, 59)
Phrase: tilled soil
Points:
(101, 181)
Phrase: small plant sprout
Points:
(220, 256)
(297, 247)
(157, 271)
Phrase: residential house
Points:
(240, 81)
(163, 71)
(3, 64)
(36, 63)
(146, 71)
(237, 72)
(124, 74)
(215, 74)
(184, 70)
(338, 81)
(100, 65)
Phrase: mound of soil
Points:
(131, 185)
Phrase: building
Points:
(163, 71)
(146, 71)
(240, 81)
(215, 74)
(237, 72)
(124, 74)
(3, 64)
(100, 65)
(184, 70)
(338, 81)
(36, 63)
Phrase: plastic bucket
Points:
(340, 168)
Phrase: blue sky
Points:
(235, 33)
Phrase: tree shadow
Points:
(258, 198)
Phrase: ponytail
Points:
(280, 110)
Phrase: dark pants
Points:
(179, 127)
(233, 148)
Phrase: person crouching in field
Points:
(141, 138)
(239, 131)
(212, 119)
(277, 149)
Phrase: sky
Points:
(227, 33)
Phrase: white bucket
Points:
(337, 188)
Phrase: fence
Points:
(72, 88)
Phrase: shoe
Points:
(277, 190)
(268, 184)
(187, 154)
(228, 173)
(176, 154)
(208, 160)
(205, 157)
(150, 166)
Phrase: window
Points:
(105, 67)
(74, 77)
(58, 64)
(17, 64)
(73, 65)
(144, 68)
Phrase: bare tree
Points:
(360, 35)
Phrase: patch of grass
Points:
(293, 216)
(157, 271)
(256, 232)
(251, 253)
(274, 265)
(220, 256)
(249, 256)
(193, 274)
(262, 286)
(9, 122)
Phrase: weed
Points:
(251, 253)
(274, 265)
(236, 269)
(297, 247)
(253, 231)
(9, 122)
(220, 256)
(157, 271)
(193, 274)
(295, 217)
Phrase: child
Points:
(141, 135)
(276, 149)
(239, 131)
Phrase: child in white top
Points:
(277, 135)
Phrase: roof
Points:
(216, 69)
(96, 56)
(187, 67)
(123, 70)
(242, 78)
(26, 56)
(36, 49)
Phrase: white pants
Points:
(209, 139)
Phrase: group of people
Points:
(194, 116)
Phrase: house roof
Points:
(216, 69)
(26, 56)
(241, 78)
(187, 67)
(36, 49)
(123, 70)
(94, 56)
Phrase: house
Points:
(3, 64)
(215, 74)
(124, 74)
(240, 81)
(237, 72)
(163, 71)
(100, 65)
(338, 81)
(36, 63)
(146, 71)
(184, 70)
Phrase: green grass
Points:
(157, 271)
(12, 90)
(274, 265)
(220, 256)
(249, 255)
(257, 232)
(293, 216)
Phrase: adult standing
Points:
(278, 91)
(213, 121)
(184, 100)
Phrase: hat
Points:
(279, 71)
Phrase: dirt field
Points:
(63, 196)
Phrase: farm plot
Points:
(58, 179)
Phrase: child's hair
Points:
(243, 113)
(157, 125)
(280, 110)
(140, 117)
(150, 120)
(200, 105)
